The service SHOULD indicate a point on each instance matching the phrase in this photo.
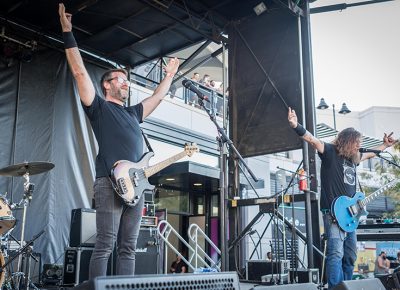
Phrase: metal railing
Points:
(194, 232)
(165, 230)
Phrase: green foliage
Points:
(388, 172)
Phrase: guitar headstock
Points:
(191, 148)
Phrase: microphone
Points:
(189, 85)
(365, 150)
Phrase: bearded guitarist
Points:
(117, 131)
(339, 160)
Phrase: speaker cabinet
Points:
(209, 281)
(147, 253)
(391, 281)
(256, 269)
(83, 228)
(364, 284)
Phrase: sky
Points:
(356, 54)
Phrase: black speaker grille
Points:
(212, 281)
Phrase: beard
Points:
(355, 158)
(119, 94)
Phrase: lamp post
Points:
(344, 110)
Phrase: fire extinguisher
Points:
(302, 180)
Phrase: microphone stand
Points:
(225, 139)
(272, 280)
(388, 160)
(222, 140)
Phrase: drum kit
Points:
(20, 278)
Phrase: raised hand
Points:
(292, 118)
(388, 140)
(65, 18)
(172, 66)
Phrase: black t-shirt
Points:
(338, 176)
(117, 132)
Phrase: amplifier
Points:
(148, 252)
(255, 269)
(77, 259)
(148, 196)
(83, 228)
(76, 265)
(149, 221)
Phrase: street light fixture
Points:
(344, 110)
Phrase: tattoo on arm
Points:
(309, 138)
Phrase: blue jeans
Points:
(115, 222)
(341, 252)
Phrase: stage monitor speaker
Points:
(363, 284)
(256, 269)
(306, 286)
(264, 78)
(209, 281)
(147, 252)
(83, 228)
(390, 281)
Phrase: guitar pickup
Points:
(353, 210)
(135, 178)
(122, 185)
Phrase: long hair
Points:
(107, 75)
(344, 143)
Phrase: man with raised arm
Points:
(339, 160)
(118, 134)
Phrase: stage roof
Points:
(131, 32)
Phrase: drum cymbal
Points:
(27, 167)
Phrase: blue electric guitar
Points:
(348, 210)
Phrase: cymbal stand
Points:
(25, 201)
(26, 249)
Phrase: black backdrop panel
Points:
(263, 54)
(42, 120)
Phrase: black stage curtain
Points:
(42, 120)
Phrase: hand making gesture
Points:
(172, 66)
(65, 18)
(388, 140)
(292, 118)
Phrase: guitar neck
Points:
(151, 170)
(375, 194)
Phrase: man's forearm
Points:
(75, 62)
(84, 83)
(163, 87)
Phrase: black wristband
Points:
(300, 130)
(69, 40)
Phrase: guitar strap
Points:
(146, 141)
